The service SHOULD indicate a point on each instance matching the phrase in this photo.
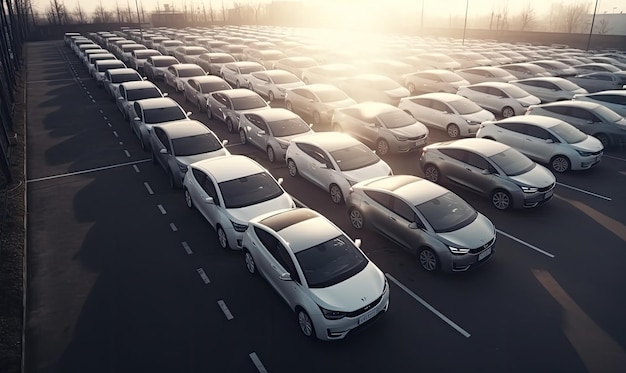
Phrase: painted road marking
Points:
(162, 209)
(115, 134)
(616, 158)
(525, 244)
(87, 171)
(257, 362)
(173, 227)
(229, 316)
(127, 153)
(148, 187)
(429, 307)
(585, 191)
(136, 168)
(203, 276)
(186, 247)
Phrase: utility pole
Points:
(593, 19)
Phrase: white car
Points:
(439, 61)
(273, 83)
(613, 99)
(546, 140)
(373, 87)
(318, 101)
(550, 89)
(481, 74)
(229, 105)
(130, 92)
(167, 47)
(189, 54)
(500, 98)
(333, 161)
(265, 57)
(101, 66)
(197, 89)
(138, 57)
(295, 64)
(212, 62)
(328, 73)
(456, 115)
(318, 270)
(153, 111)
(154, 67)
(231, 190)
(433, 81)
(114, 77)
(176, 75)
(236, 73)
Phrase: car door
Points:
(441, 114)
(170, 76)
(392, 219)
(162, 142)
(256, 130)
(424, 112)
(211, 208)
(218, 104)
(496, 99)
(479, 175)
(355, 124)
(511, 133)
(121, 100)
(317, 167)
(191, 90)
(539, 143)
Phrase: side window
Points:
(160, 134)
(440, 106)
(480, 89)
(585, 115)
(254, 119)
(138, 111)
(319, 155)
(122, 91)
(402, 209)
(380, 197)
(422, 101)
(496, 92)
(198, 175)
(454, 153)
(209, 188)
(172, 70)
(477, 161)
(538, 132)
(193, 85)
(278, 251)
(285, 260)
(515, 127)
(564, 110)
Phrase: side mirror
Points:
(549, 141)
(285, 277)
(224, 142)
(371, 125)
(413, 225)
(261, 133)
(144, 78)
(136, 119)
(120, 98)
(444, 112)
(208, 199)
(357, 242)
(165, 94)
(188, 113)
(485, 172)
(280, 181)
(163, 151)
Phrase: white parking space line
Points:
(115, 134)
(173, 227)
(186, 247)
(162, 209)
(525, 243)
(229, 316)
(616, 158)
(109, 124)
(105, 118)
(203, 276)
(87, 171)
(429, 307)
(585, 191)
(136, 168)
(150, 191)
(48, 81)
(257, 362)
(127, 153)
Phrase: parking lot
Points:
(124, 278)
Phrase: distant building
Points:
(607, 23)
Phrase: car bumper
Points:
(465, 262)
(531, 200)
(410, 146)
(235, 239)
(585, 163)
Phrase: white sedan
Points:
(176, 75)
(318, 270)
(334, 162)
(550, 89)
(273, 83)
(231, 190)
(196, 90)
(501, 98)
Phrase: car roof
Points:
(244, 63)
(618, 92)
(482, 146)
(552, 79)
(273, 114)
(122, 71)
(229, 167)
(539, 120)
(138, 84)
(274, 72)
(185, 66)
(157, 102)
(372, 108)
(163, 58)
(411, 188)
(570, 103)
(207, 79)
(320, 87)
(238, 92)
(110, 62)
(329, 141)
(441, 96)
(183, 128)
(502, 85)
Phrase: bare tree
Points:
(79, 14)
(257, 7)
(527, 17)
(573, 14)
(102, 16)
(602, 26)
(503, 17)
(118, 11)
(129, 12)
(57, 13)
(211, 11)
(223, 11)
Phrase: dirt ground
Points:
(12, 246)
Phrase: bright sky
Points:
(441, 7)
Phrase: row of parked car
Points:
(250, 211)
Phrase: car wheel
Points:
(270, 154)
(501, 199)
(229, 125)
(428, 260)
(242, 136)
(432, 173)
(335, 194)
(560, 163)
(292, 168)
(305, 322)
(411, 88)
(316, 118)
(250, 264)
(271, 96)
(289, 105)
(188, 200)
(453, 131)
(356, 218)
(508, 112)
(382, 147)
(604, 139)
(221, 237)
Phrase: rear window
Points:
(166, 114)
(187, 73)
(199, 144)
(140, 94)
(354, 157)
(121, 78)
(249, 190)
(248, 103)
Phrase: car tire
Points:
(289, 105)
(336, 195)
(604, 139)
(501, 199)
(432, 173)
(292, 168)
(428, 260)
(229, 125)
(188, 200)
(382, 147)
(222, 239)
(271, 156)
(242, 137)
(508, 112)
(560, 163)
(270, 96)
(411, 88)
(453, 131)
(250, 263)
(356, 218)
(305, 323)
(316, 118)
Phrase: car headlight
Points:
(584, 154)
(332, 315)
(472, 122)
(239, 227)
(401, 138)
(528, 189)
(457, 250)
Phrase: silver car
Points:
(197, 90)
(231, 190)
(546, 140)
(175, 145)
(114, 77)
(428, 220)
(492, 169)
(433, 81)
(524, 70)
(271, 130)
(612, 99)
(500, 98)
(212, 62)
(153, 111)
(295, 64)
(318, 270)
(101, 66)
(236, 73)
(176, 75)
(549, 89)
(273, 83)
(328, 73)
(482, 74)
(592, 118)
(373, 87)
(130, 92)
(229, 105)
(600, 81)
(383, 127)
(317, 101)
(154, 67)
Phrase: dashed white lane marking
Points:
(109, 124)
(173, 227)
(257, 362)
(162, 209)
(101, 112)
(203, 276)
(47, 81)
(127, 153)
(229, 316)
(115, 134)
(87, 171)
(186, 247)
(121, 143)
(612, 157)
(93, 101)
(429, 307)
(148, 187)
(585, 191)
(105, 118)
(525, 244)
(136, 168)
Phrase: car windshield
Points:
(332, 95)
(198, 144)
(354, 157)
(250, 69)
(566, 85)
(214, 86)
(102, 68)
(449, 77)
(464, 107)
(569, 133)
(608, 114)
(140, 94)
(500, 73)
(249, 190)
(447, 213)
(222, 59)
(515, 92)
(165, 62)
(195, 52)
(121, 78)
(249, 102)
(396, 119)
(163, 114)
(331, 262)
(171, 43)
(285, 79)
(512, 162)
(193, 71)
(289, 127)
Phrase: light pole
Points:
(465, 25)
(593, 19)
(139, 20)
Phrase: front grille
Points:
(416, 138)
(545, 189)
(362, 310)
(483, 247)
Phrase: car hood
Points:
(290, 137)
(413, 130)
(529, 100)
(479, 116)
(398, 92)
(471, 236)
(244, 214)
(353, 293)
(189, 159)
(377, 169)
(539, 177)
(340, 103)
(590, 144)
